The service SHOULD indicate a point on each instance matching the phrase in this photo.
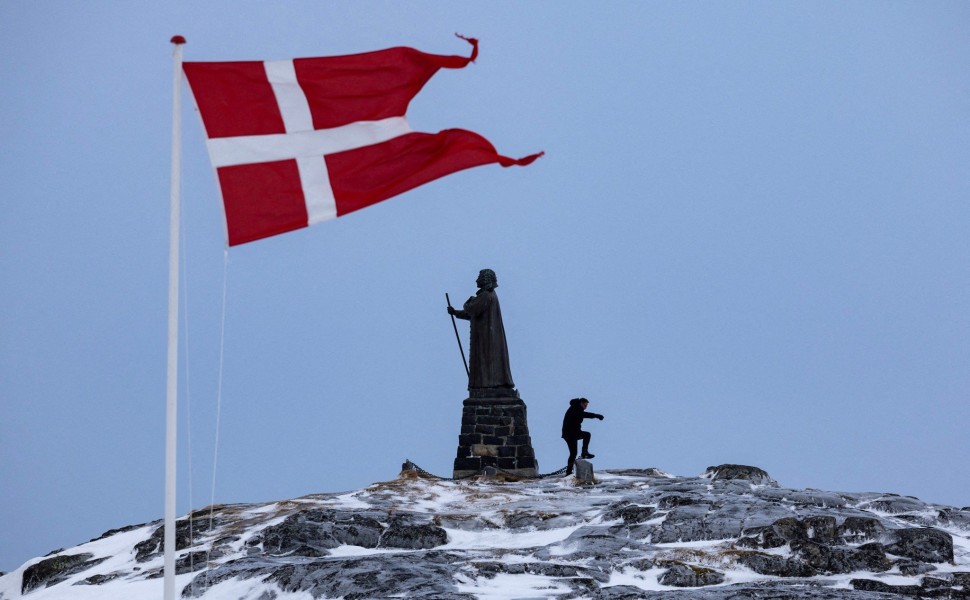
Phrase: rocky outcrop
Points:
(314, 532)
(186, 530)
(923, 544)
(930, 587)
(354, 578)
(403, 532)
(681, 575)
(733, 532)
(54, 570)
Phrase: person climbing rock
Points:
(572, 431)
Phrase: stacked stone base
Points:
(495, 433)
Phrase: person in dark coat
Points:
(488, 360)
(572, 429)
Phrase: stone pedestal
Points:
(584, 471)
(495, 433)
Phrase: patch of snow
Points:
(740, 575)
(348, 501)
(437, 500)
(512, 587)
(503, 538)
(117, 549)
(261, 510)
(645, 580)
(345, 550)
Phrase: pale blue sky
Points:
(747, 242)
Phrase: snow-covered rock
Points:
(732, 532)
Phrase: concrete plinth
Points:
(584, 471)
(495, 433)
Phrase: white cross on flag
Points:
(297, 142)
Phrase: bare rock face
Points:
(55, 570)
(733, 532)
(681, 575)
(924, 544)
(314, 532)
(405, 533)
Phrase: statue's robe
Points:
(488, 360)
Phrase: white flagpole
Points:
(171, 412)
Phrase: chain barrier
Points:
(410, 466)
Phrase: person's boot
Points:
(586, 454)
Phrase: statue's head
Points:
(487, 280)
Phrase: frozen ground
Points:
(638, 533)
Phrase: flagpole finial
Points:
(178, 40)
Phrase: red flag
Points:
(297, 142)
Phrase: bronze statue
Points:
(488, 368)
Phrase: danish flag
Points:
(297, 142)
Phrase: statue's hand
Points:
(451, 311)
(600, 417)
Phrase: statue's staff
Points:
(457, 337)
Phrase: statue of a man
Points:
(488, 366)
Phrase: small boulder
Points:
(727, 472)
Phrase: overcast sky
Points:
(747, 243)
